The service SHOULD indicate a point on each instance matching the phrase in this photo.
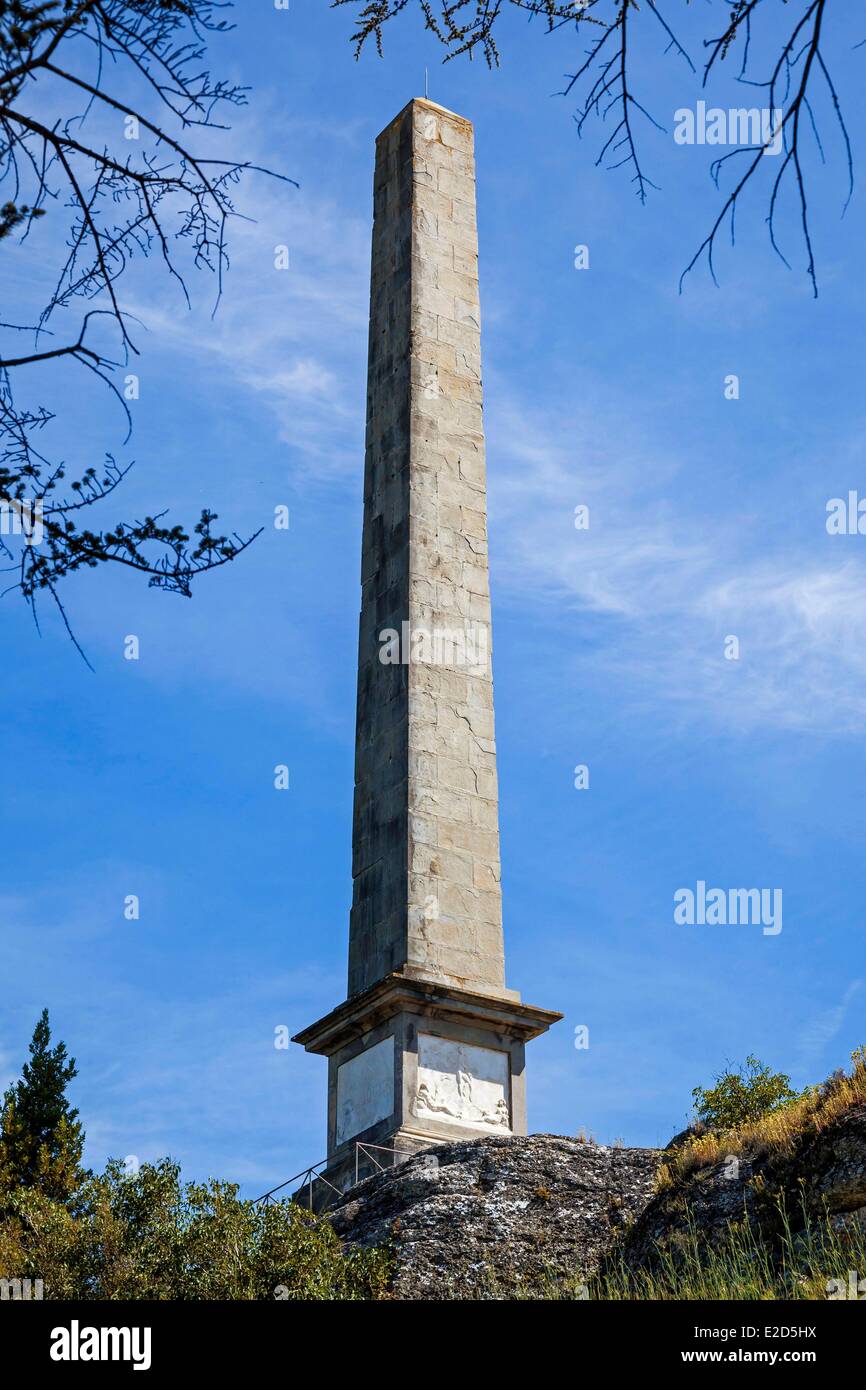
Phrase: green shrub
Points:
(148, 1236)
(739, 1097)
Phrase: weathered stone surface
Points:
(424, 565)
(497, 1217)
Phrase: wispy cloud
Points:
(826, 1026)
(666, 585)
(294, 338)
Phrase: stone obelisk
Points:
(429, 1044)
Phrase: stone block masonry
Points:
(426, 838)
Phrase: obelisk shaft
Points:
(426, 899)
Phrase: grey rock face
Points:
(497, 1217)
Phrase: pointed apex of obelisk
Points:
(423, 105)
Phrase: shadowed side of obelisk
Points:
(377, 932)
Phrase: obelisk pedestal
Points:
(429, 1045)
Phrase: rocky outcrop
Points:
(498, 1217)
(821, 1171)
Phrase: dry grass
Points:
(741, 1266)
(776, 1133)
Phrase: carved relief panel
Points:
(462, 1084)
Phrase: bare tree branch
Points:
(604, 83)
(119, 207)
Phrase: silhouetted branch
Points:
(605, 84)
(119, 207)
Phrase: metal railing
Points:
(364, 1149)
(307, 1177)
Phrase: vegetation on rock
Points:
(741, 1096)
(779, 1129)
(809, 1261)
(771, 1208)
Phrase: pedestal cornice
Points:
(399, 993)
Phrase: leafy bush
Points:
(739, 1097)
(149, 1236)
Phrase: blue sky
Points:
(603, 387)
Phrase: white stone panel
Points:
(462, 1085)
(365, 1090)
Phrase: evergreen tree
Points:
(41, 1139)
